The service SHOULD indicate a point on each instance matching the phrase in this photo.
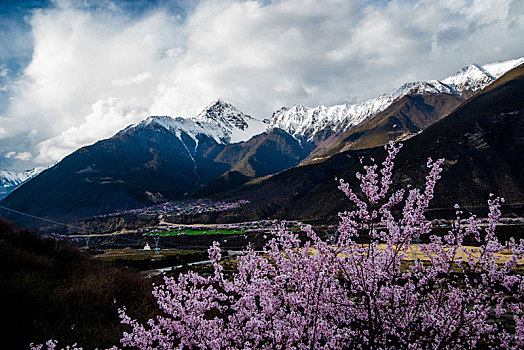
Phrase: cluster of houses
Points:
(188, 207)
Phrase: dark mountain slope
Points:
(147, 164)
(264, 154)
(404, 118)
(135, 168)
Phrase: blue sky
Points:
(75, 71)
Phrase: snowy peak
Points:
(225, 114)
(472, 78)
(498, 69)
(177, 126)
(424, 88)
(220, 121)
(13, 178)
(305, 122)
(235, 125)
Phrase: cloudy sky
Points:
(75, 71)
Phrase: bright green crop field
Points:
(198, 233)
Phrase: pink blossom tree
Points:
(344, 294)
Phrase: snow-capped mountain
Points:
(13, 178)
(301, 121)
(235, 126)
(220, 121)
(10, 180)
(497, 69)
(472, 78)
(308, 122)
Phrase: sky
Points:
(76, 71)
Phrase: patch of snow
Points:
(301, 121)
(13, 178)
(472, 78)
(498, 69)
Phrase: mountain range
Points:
(482, 141)
(10, 180)
(220, 151)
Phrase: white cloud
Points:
(19, 156)
(136, 80)
(23, 156)
(262, 56)
(77, 57)
(107, 117)
(258, 55)
(3, 132)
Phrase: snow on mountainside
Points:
(475, 77)
(13, 178)
(235, 125)
(10, 180)
(307, 122)
(220, 121)
(301, 121)
(499, 68)
(472, 78)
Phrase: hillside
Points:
(49, 289)
(403, 119)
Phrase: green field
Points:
(198, 233)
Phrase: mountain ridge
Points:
(307, 122)
(162, 158)
(481, 140)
